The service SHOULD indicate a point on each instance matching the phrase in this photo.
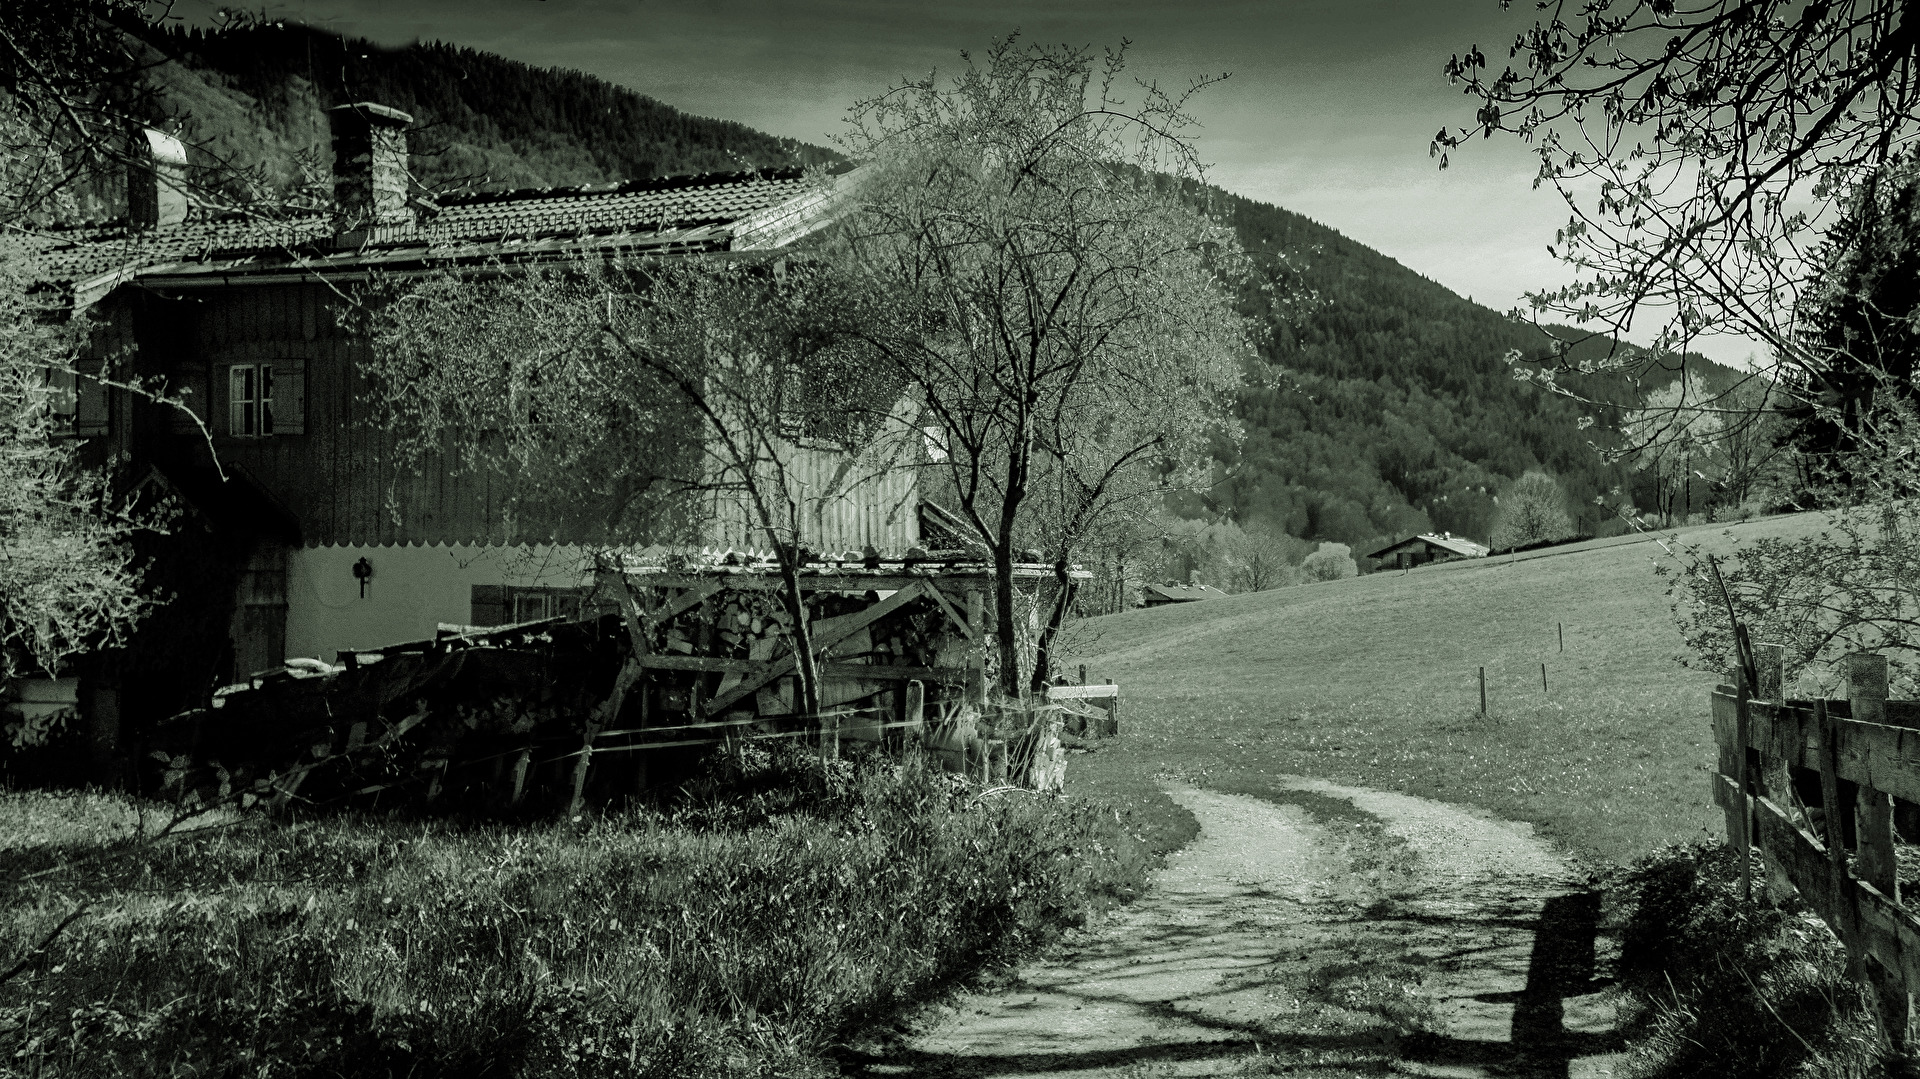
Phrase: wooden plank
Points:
(954, 615)
(1742, 815)
(847, 627)
(1880, 756)
(1082, 693)
(869, 672)
(1839, 887)
(1799, 853)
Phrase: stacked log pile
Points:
(549, 715)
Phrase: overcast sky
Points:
(1328, 108)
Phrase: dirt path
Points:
(1356, 932)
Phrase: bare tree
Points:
(1062, 310)
(637, 403)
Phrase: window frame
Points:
(253, 409)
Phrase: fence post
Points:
(1833, 832)
(1775, 781)
(1743, 780)
(1483, 692)
(1876, 864)
(829, 738)
(915, 732)
(1872, 809)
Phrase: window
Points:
(265, 399)
(250, 399)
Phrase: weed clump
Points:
(1730, 987)
(739, 932)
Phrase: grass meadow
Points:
(1374, 681)
(741, 932)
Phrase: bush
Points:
(1332, 562)
(1728, 987)
(738, 934)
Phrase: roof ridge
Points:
(621, 187)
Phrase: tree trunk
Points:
(806, 673)
(1043, 648)
(1004, 630)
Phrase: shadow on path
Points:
(1251, 956)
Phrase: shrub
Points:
(1332, 562)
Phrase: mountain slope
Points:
(1387, 407)
(483, 120)
(1400, 413)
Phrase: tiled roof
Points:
(692, 212)
(643, 206)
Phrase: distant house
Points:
(1159, 595)
(1427, 547)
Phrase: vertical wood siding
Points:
(337, 476)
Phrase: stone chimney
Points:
(369, 166)
(156, 180)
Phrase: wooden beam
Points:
(1884, 928)
(953, 614)
(868, 671)
(1082, 693)
(692, 597)
(847, 626)
(884, 580)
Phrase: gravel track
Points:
(1411, 938)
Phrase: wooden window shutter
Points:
(290, 396)
(63, 401)
(489, 605)
(92, 405)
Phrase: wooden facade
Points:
(335, 470)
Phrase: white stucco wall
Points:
(412, 591)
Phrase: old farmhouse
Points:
(300, 537)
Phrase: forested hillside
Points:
(1397, 412)
(258, 93)
(1387, 408)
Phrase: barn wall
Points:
(841, 509)
(412, 591)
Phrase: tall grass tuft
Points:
(738, 932)
(1733, 988)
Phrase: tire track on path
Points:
(1426, 939)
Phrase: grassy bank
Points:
(1719, 985)
(738, 934)
(1374, 681)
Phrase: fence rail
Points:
(1816, 787)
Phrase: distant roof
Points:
(713, 212)
(1459, 545)
(1182, 593)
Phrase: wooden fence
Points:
(1816, 786)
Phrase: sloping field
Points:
(1374, 681)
